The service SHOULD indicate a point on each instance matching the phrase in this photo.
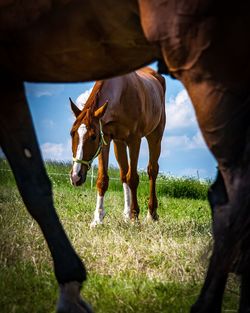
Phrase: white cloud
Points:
(183, 142)
(48, 123)
(52, 151)
(198, 141)
(173, 143)
(43, 89)
(180, 113)
(144, 148)
(43, 93)
(81, 100)
(56, 151)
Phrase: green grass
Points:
(146, 267)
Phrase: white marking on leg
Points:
(127, 200)
(27, 153)
(149, 217)
(99, 211)
(79, 153)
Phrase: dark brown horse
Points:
(203, 43)
(123, 109)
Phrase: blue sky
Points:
(184, 152)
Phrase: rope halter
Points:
(101, 143)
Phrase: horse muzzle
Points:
(78, 179)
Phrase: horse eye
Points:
(93, 137)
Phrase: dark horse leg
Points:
(245, 247)
(245, 293)
(244, 233)
(231, 230)
(224, 120)
(18, 141)
(210, 299)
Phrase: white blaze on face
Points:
(82, 130)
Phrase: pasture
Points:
(144, 268)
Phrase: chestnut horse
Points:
(203, 43)
(123, 109)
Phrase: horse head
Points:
(87, 140)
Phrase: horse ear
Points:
(74, 108)
(100, 112)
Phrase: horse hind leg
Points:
(245, 293)
(223, 116)
(102, 184)
(18, 141)
(120, 149)
(231, 245)
(154, 144)
(244, 266)
(210, 299)
(237, 249)
(132, 177)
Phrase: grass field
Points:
(144, 268)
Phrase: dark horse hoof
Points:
(202, 307)
(199, 307)
(70, 300)
(196, 308)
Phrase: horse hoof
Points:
(126, 217)
(201, 307)
(98, 219)
(151, 218)
(70, 300)
(135, 221)
(95, 223)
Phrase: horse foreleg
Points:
(120, 149)
(18, 141)
(102, 185)
(132, 177)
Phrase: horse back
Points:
(149, 109)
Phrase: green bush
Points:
(185, 187)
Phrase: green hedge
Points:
(184, 187)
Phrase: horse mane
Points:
(88, 109)
(91, 101)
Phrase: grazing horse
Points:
(203, 43)
(123, 109)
